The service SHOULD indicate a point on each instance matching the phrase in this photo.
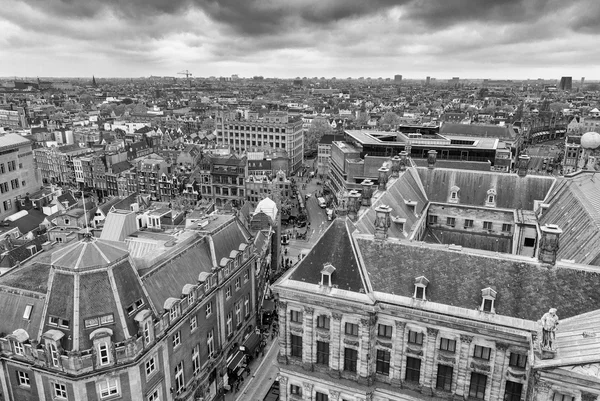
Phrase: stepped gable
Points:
(335, 247)
(512, 191)
(574, 206)
(525, 289)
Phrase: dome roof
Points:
(590, 140)
(89, 253)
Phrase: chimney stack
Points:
(431, 158)
(396, 160)
(403, 160)
(353, 203)
(367, 192)
(383, 177)
(549, 244)
(523, 165)
(382, 221)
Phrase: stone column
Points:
(364, 357)
(307, 338)
(283, 388)
(430, 348)
(462, 380)
(284, 347)
(397, 357)
(497, 375)
(307, 391)
(336, 338)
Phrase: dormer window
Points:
(421, 283)
(411, 206)
(454, 194)
(490, 199)
(326, 273)
(488, 296)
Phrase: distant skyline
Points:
(499, 39)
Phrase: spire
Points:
(94, 81)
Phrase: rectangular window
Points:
(468, 223)
(229, 328)
(481, 352)
(450, 221)
(444, 378)
(433, 219)
(384, 331)
(210, 343)
(351, 329)
(18, 348)
(413, 369)
(196, 359)
(448, 345)
(174, 312)
(177, 339)
(179, 379)
(108, 387)
(296, 316)
(296, 342)
(415, 337)
(228, 292)
(60, 390)
(154, 396)
(323, 322)
(513, 391)
(562, 397)
(477, 386)
(238, 313)
(382, 365)
(147, 332)
(518, 360)
(295, 390)
(322, 353)
(208, 309)
(321, 397)
(506, 228)
(193, 323)
(237, 283)
(246, 275)
(23, 378)
(350, 359)
(191, 297)
(103, 353)
(247, 305)
(487, 225)
(150, 366)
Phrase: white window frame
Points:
(146, 330)
(176, 339)
(246, 275)
(54, 355)
(18, 347)
(179, 377)
(174, 312)
(196, 359)
(228, 292)
(109, 387)
(60, 391)
(208, 308)
(191, 297)
(238, 312)
(24, 379)
(103, 353)
(229, 328)
(193, 323)
(210, 343)
(154, 395)
(247, 304)
(150, 366)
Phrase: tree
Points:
(318, 128)
(558, 106)
(389, 120)
(362, 119)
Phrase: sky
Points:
(497, 39)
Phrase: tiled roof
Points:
(512, 191)
(335, 247)
(89, 253)
(31, 277)
(13, 307)
(229, 238)
(525, 289)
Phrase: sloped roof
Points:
(525, 289)
(335, 247)
(13, 307)
(267, 206)
(229, 238)
(89, 253)
(118, 225)
(512, 191)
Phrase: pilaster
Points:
(336, 337)
(283, 388)
(284, 347)
(498, 373)
(398, 353)
(364, 369)
(429, 357)
(463, 364)
(307, 338)
(307, 391)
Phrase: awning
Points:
(236, 361)
(252, 342)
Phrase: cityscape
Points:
(317, 201)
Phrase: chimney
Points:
(549, 244)
(431, 158)
(382, 221)
(342, 208)
(523, 165)
(367, 192)
(353, 203)
(403, 160)
(396, 160)
(383, 177)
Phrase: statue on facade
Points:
(549, 326)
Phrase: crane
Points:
(187, 75)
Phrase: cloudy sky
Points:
(415, 38)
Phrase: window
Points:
(487, 225)
(246, 275)
(60, 390)
(210, 343)
(108, 387)
(453, 195)
(518, 360)
(322, 353)
(238, 313)
(19, 349)
(191, 297)
(468, 223)
(193, 323)
(444, 377)
(103, 353)
(295, 390)
(323, 322)
(208, 309)
(53, 321)
(147, 337)
(229, 328)
(384, 331)
(415, 337)
(54, 355)
(154, 396)
(179, 379)
(382, 365)
(174, 312)
(433, 219)
(450, 221)
(413, 369)
(351, 329)
(487, 305)
(296, 316)
(228, 292)
(477, 386)
(506, 228)
(296, 342)
(247, 305)
(513, 391)
(321, 397)
(196, 359)
(562, 397)
(237, 283)
(350, 359)
(177, 339)
(481, 352)
(448, 345)
(23, 378)
(150, 366)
